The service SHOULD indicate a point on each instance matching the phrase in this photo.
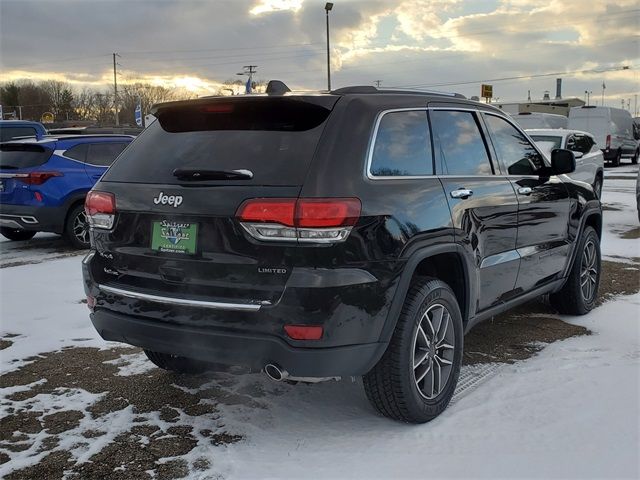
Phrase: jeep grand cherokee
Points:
(359, 232)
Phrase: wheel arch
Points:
(445, 262)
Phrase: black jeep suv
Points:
(359, 232)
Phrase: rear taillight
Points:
(322, 220)
(608, 142)
(100, 208)
(36, 178)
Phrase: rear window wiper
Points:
(204, 174)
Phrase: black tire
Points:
(617, 159)
(76, 228)
(634, 159)
(391, 385)
(597, 186)
(16, 234)
(175, 363)
(572, 298)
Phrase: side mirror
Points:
(562, 161)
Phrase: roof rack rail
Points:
(371, 89)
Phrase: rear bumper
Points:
(39, 219)
(232, 348)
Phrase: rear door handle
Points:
(461, 193)
(525, 190)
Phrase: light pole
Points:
(327, 8)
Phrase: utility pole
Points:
(635, 105)
(378, 83)
(603, 87)
(115, 87)
(327, 8)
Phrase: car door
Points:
(100, 156)
(543, 206)
(483, 204)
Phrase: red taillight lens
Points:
(304, 332)
(100, 208)
(268, 210)
(38, 178)
(326, 213)
(100, 202)
(608, 142)
(313, 220)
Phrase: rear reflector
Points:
(304, 332)
(91, 302)
(100, 208)
(37, 178)
(324, 220)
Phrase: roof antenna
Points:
(276, 87)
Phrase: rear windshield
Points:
(552, 140)
(273, 138)
(18, 155)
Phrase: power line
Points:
(520, 77)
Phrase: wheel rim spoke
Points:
(589, 271)
(433, 351)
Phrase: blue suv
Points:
(43, 183)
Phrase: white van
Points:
(613, 129)
(540, 120)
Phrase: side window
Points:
(8, 133)
(460, 148)
(583, 144)
(515, 152)
(77, 152)
(104, 154)
(402, 145)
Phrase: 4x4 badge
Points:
(173, 200)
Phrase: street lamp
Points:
(327, 8)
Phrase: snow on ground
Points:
(569, 412)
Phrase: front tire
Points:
(175, 363)
(634, 159)
(416, 377)
(579, 293)
(16, 234)
(76, 228)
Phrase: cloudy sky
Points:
(451, 45)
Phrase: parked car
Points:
(589, 158)
(540, 120)
(43, 184)
(613, 129)
(97, 130)
(10, 129)
(317, 236)
(638, 194)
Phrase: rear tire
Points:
(175, 363)
(634, 159)
(76, 228)
(416, 377)
(16, 234)
(617, 159)
(579, 293)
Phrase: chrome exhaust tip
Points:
(274, 372)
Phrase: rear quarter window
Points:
(402, 146)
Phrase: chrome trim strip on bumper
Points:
(243, 307)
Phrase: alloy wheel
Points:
(589, 271)
(433, 351)
(81, 228)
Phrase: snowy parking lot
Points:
(540, 395)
